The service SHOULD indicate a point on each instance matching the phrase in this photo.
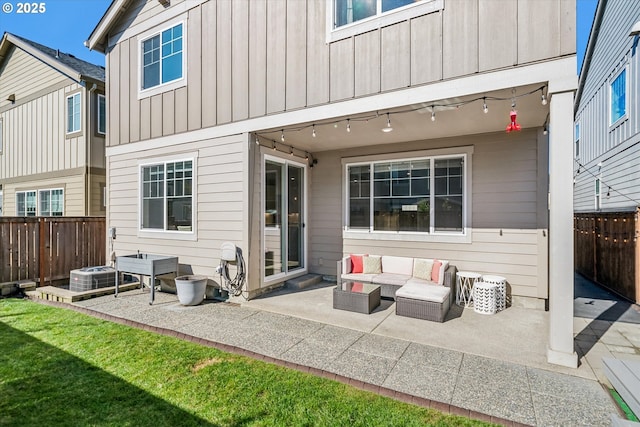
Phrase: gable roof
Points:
(73, 67)
(591, 44)
(98, 38)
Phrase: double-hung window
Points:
(618, 97)
(162, 57)
(420, 195)
(26, 203)
(167, 196)
(73, 113)
(51, 202)
(102, 114)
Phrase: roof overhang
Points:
(98, 39)
(9, 39)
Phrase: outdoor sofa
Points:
(422, 288)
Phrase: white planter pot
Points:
(191, 289)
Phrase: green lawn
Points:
(62, 368)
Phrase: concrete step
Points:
(304, 281)
(52, 293)
(624, 376)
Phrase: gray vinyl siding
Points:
(508, 227)
(250, 59)
(220, 202)
(616, 147)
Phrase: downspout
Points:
(89, 139)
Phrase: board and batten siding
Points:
(253, 58)
(34, 137)
(220, 197)
(610, 152)
(508, 230)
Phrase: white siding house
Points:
(303, 130)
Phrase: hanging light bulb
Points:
(545, 130)
(313, 132)
(335, 125)
(388, 128)
(274, 146)
(485, 109)
(433, 114)
(282, 135)
(544, 99)
(348, 125)
(609, 192)
(257, 141)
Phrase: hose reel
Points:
(232, 255)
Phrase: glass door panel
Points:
(273, 226)
(295, 217)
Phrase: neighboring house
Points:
(52, 132)
(607, 112)
(303, 130)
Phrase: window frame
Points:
(597, 190)
(26, 193)
(165, 232)
(50, 191)
(99, 110)
(576, 140)
(68, 112)
(379, 20)
(432, 236)
(614, 123)
(172, 84)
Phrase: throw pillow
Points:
(372, 265)
(435, 272)
(422, 268)
(443, 268)
(356, 263)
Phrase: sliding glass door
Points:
(284, 212)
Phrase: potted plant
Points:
(191, 289)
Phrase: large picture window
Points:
(424, 195)
(162, 57)
(618, 94)
(350, 11)
(167, 196)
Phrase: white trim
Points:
(379, 20)
(1, 139)
(477, 83)
(66, 116)
(610, 81)
(170, 234)
(433, 236)
(170, 85)
(281, 276)
(105, 115)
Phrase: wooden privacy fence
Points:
(46, 249)
(606, 250)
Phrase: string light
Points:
(545, 130)
(543, 98)
(282, 135)
(291, 151)
(485, 109)
(433, 114)
(313, 132)
(388, 128)
(348, 125)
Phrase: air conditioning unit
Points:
(88, 278)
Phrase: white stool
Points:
(464, 287)
(501, 290)
(484, 298)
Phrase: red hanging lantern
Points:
(513, 125)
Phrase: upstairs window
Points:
(162, 57)
(576, 139)
(350, 11)
(73, 113)
(102, 114)
(618, 96)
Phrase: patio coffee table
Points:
(356, 296)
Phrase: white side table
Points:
(484, 298)
(464, 287)
(501, 290)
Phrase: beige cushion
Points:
(415, 280)
(359, 277)
(422, 268)
(397, 265)
(371, 265)
(391, 279)
(424, 293)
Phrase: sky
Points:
(66, 24)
